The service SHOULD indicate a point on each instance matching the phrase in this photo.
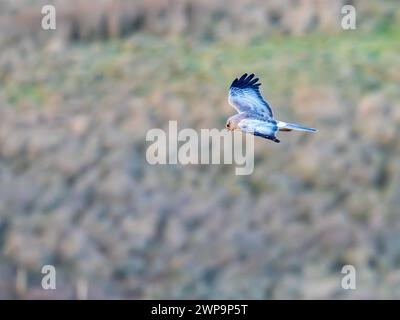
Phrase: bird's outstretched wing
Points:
(245, 96)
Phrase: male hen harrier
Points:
(254, 113)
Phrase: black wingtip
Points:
(246, 82)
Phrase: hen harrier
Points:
(254, 113)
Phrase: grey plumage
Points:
(254, 113)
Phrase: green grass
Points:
(29, 93)
(351, 61)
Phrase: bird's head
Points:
(228, 125)
(231, 124)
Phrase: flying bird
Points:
(254, 113)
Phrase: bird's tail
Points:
(284, 126)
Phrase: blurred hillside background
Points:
(76, 190)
